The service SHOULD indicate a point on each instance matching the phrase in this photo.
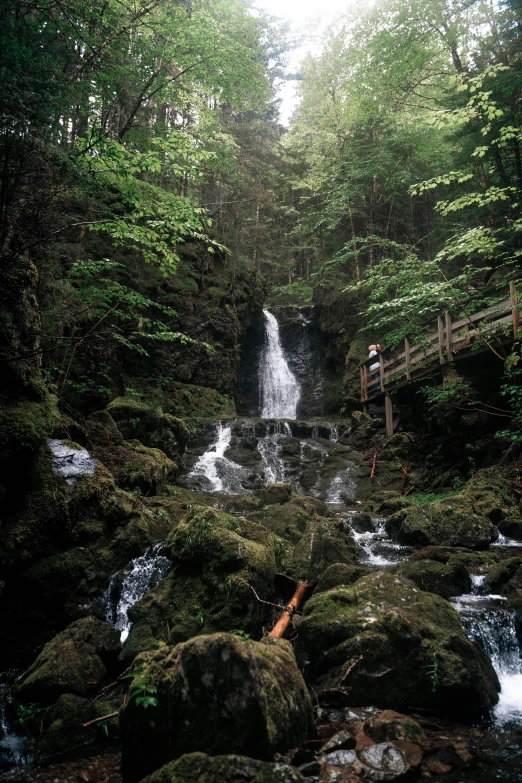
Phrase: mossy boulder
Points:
(220, 694)
(276, 493)
(26, 424)
(320, 547)
(75, 661)
(63, 724)
(388, 726)
(133, 465)
(151, 426)
(340, 574)
(415, 653)
(511, 527)
(452, 521)
(292, 519)
(505, 577)
(217, 559)
(200, 768)
(444, 579)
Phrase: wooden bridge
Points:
(452, 341)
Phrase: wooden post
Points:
(388, 407)
(365, 374)
(440, 326)
(514, 308)
(362, 385)
(365, 407)
(408, 360)
(449, 340)
(381, 368)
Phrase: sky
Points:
(303, 15)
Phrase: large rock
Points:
(151, 426)
(414, 650)
(63, 728)
(75, 661)
(452, 521)
(218, 694)
(218, 559)
(292, 519)
(445, 579)
(200, 768)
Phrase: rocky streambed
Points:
(166, 566)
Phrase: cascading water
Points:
(213, 465)
(279, 387)
(488, 622)
(140, 575)
(270, 448)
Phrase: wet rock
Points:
(511, 527)
(198, 767)
(452, 521)
(333, 774)
(363, 523)
(343, 740)
(446, 580)
(389, 725)
(380, 762)
(292, 519)
(276, 493)
(218, 559)
(75, 661)
(340, 574)
(397, 629)
(219, 693)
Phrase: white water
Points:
(213, 463)
(279, 387)
(71, 463)
(270, 448)
(343, 486)
(379, 550)
(141, 574)
(488, 622)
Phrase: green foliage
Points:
(433, 673)
(511, 390)
(30, 717)
(142, 690)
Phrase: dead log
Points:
(290, 609)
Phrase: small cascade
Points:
(279, 387)
(488, 622)
(379, 550)
(334, 432)
(343, 486)
(213, 465)
(270, 448)
(15, 750)
(504, 541)
(139, 577)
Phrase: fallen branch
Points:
(289, 610)
(372, 475)
(352, 666)
(100, 720)
(268, 603)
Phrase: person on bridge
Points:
(374, 350)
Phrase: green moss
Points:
(25, 425)
(445, 579)
(398, 629)
(63, 724)
(200, 768)
(252, 695)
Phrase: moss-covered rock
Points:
(322, 546)
(292, 519)
(133, 465)
(276, 493)
(200, 768)
(452, 521)
(75, 661)
(388, 726)
(63, 724)
(414, 650)
(217, 559)
(216, 693)
(340, 574)
(151, 426)
(445, 579)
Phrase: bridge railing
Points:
(450, 341)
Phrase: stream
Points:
(241, 456)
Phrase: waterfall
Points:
(140, 576)
(279, 387)
(270, 448)
(211, 464)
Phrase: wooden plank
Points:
(363, 386)
(440, 325)
(365, 370)
(408, 357)
(388, 407)
(381, 370)
(447, 323)
(514, 309)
